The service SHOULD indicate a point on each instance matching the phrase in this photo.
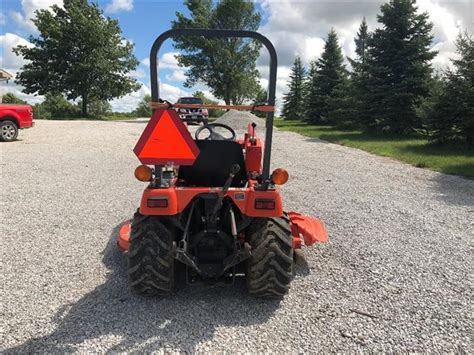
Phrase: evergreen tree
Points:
(342, 104)
(293, 108)
(260, 98)
(450, 112)
(359, 102)
(399, 66)
(328, 73)
(310, 84)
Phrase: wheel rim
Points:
(8, 131)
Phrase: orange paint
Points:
(179, 198)
(312, 229)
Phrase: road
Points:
(396, 275)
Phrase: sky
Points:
(295, 28)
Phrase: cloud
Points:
(300, 28)
(166, 61)
(176, 75)
(12, 63)
(23, 18)
(129, 102)
(119, 5)
(137, 73)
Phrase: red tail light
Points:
(157, 202)
(264, 204)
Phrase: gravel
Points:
(239, 120)
(396, 275)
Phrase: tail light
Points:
(157, 202)
(264, 204)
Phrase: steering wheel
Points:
(213, 135)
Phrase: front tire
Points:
(151, 264)
(8, 131)
(270, 268)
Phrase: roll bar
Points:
(212, 33)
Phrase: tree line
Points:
(66, 63)
(391, 86)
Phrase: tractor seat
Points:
(213, 165)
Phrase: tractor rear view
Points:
(211, 211)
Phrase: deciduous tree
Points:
(79, 53)
(226, 66)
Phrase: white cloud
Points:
(119, 5)
(137, 73)
(145, 62)
(12, 63)
(129, 102)
(176, 75)
(23, 19)
(172, 93)
(300, 28)
(166, 61)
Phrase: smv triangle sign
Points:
(166, 140)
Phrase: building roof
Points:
(4, 75)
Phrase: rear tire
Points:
(8, 131)
(151, 264)
(270, 268)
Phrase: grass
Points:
(416, 151)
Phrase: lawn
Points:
(412, 150)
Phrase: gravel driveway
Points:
(396, 276)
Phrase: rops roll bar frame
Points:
(214, 33)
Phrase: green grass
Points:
(416, 151)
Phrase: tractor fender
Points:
(312, 229)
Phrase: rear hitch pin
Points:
(233, 225)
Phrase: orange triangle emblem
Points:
(166, 140)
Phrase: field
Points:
(412, 150)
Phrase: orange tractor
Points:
(211, 210)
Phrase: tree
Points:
(261, 98)
(449, 114)
(328, 72)
(293, 106)
(143, 109)
(399, 66)
(79, 53)
(99, 108)
(10, 98)
(359, 102)
(226, 66)
(208, 101)
(55, 106)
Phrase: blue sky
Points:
(295, 27)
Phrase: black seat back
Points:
(213, 165)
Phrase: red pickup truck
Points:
(12, 118)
